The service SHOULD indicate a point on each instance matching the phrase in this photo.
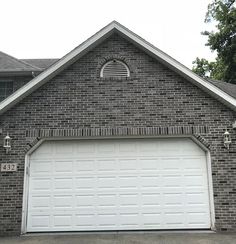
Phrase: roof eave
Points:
(9, 73)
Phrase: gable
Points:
(78, 97)
(98, 38)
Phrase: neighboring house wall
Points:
(153, 96)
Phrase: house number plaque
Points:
(8, 167)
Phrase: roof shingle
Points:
(11, 64)
(40, 63)
(224, 86)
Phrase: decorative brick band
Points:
(202, 140)
(121, 131)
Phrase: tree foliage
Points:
(223, 41)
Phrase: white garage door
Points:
(118, 184)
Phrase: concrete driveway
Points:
(124, 238)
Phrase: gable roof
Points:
(107, 31)
(9, 64)
(229, 88)
(40, 63)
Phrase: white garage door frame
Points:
(27, 164)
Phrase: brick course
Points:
(153, 97)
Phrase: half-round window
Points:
(115, 69)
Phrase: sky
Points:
(52, 28)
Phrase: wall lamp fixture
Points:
(227, 139)
(7, 143)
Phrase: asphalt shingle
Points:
(225, 86)
(40, 63)
(12, 64)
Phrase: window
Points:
(6, 88)
(115, 69)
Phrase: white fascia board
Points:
(95, 40)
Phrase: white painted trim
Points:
(26, 187)
(210, 181)
(211, 192)
(27, 164)
(25, 196)
(98, 38)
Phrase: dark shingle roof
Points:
(11, 64)
(225, 86)
(40, 63)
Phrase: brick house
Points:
(115, 135)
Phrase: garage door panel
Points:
(85, 182)
(128, 182)
(173, 199)
(174, 219)
(126, 200)
(84, 148)
(44, 151)
(106, 200)
(85, 220)
(39, 222)
(85, 200)
(118, 185)
(63, 220)
(64, 150)
(62, 183)
(104, 149)
(63, 166)
(152, 199)
(106, 219)
(152, 219)
(107, 165)
(63, 201)
(194, 162)
(127, 164)
(40, 202)
(196, 198)
(84, 165)
(172, 180)
(40, 184)
(127, 148)
(146, 181)
(197, 219)
(41, 167)
(149, 164)
(106, 182)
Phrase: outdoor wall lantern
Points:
(227, 139)
(7, 143)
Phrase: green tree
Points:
(223, 41)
